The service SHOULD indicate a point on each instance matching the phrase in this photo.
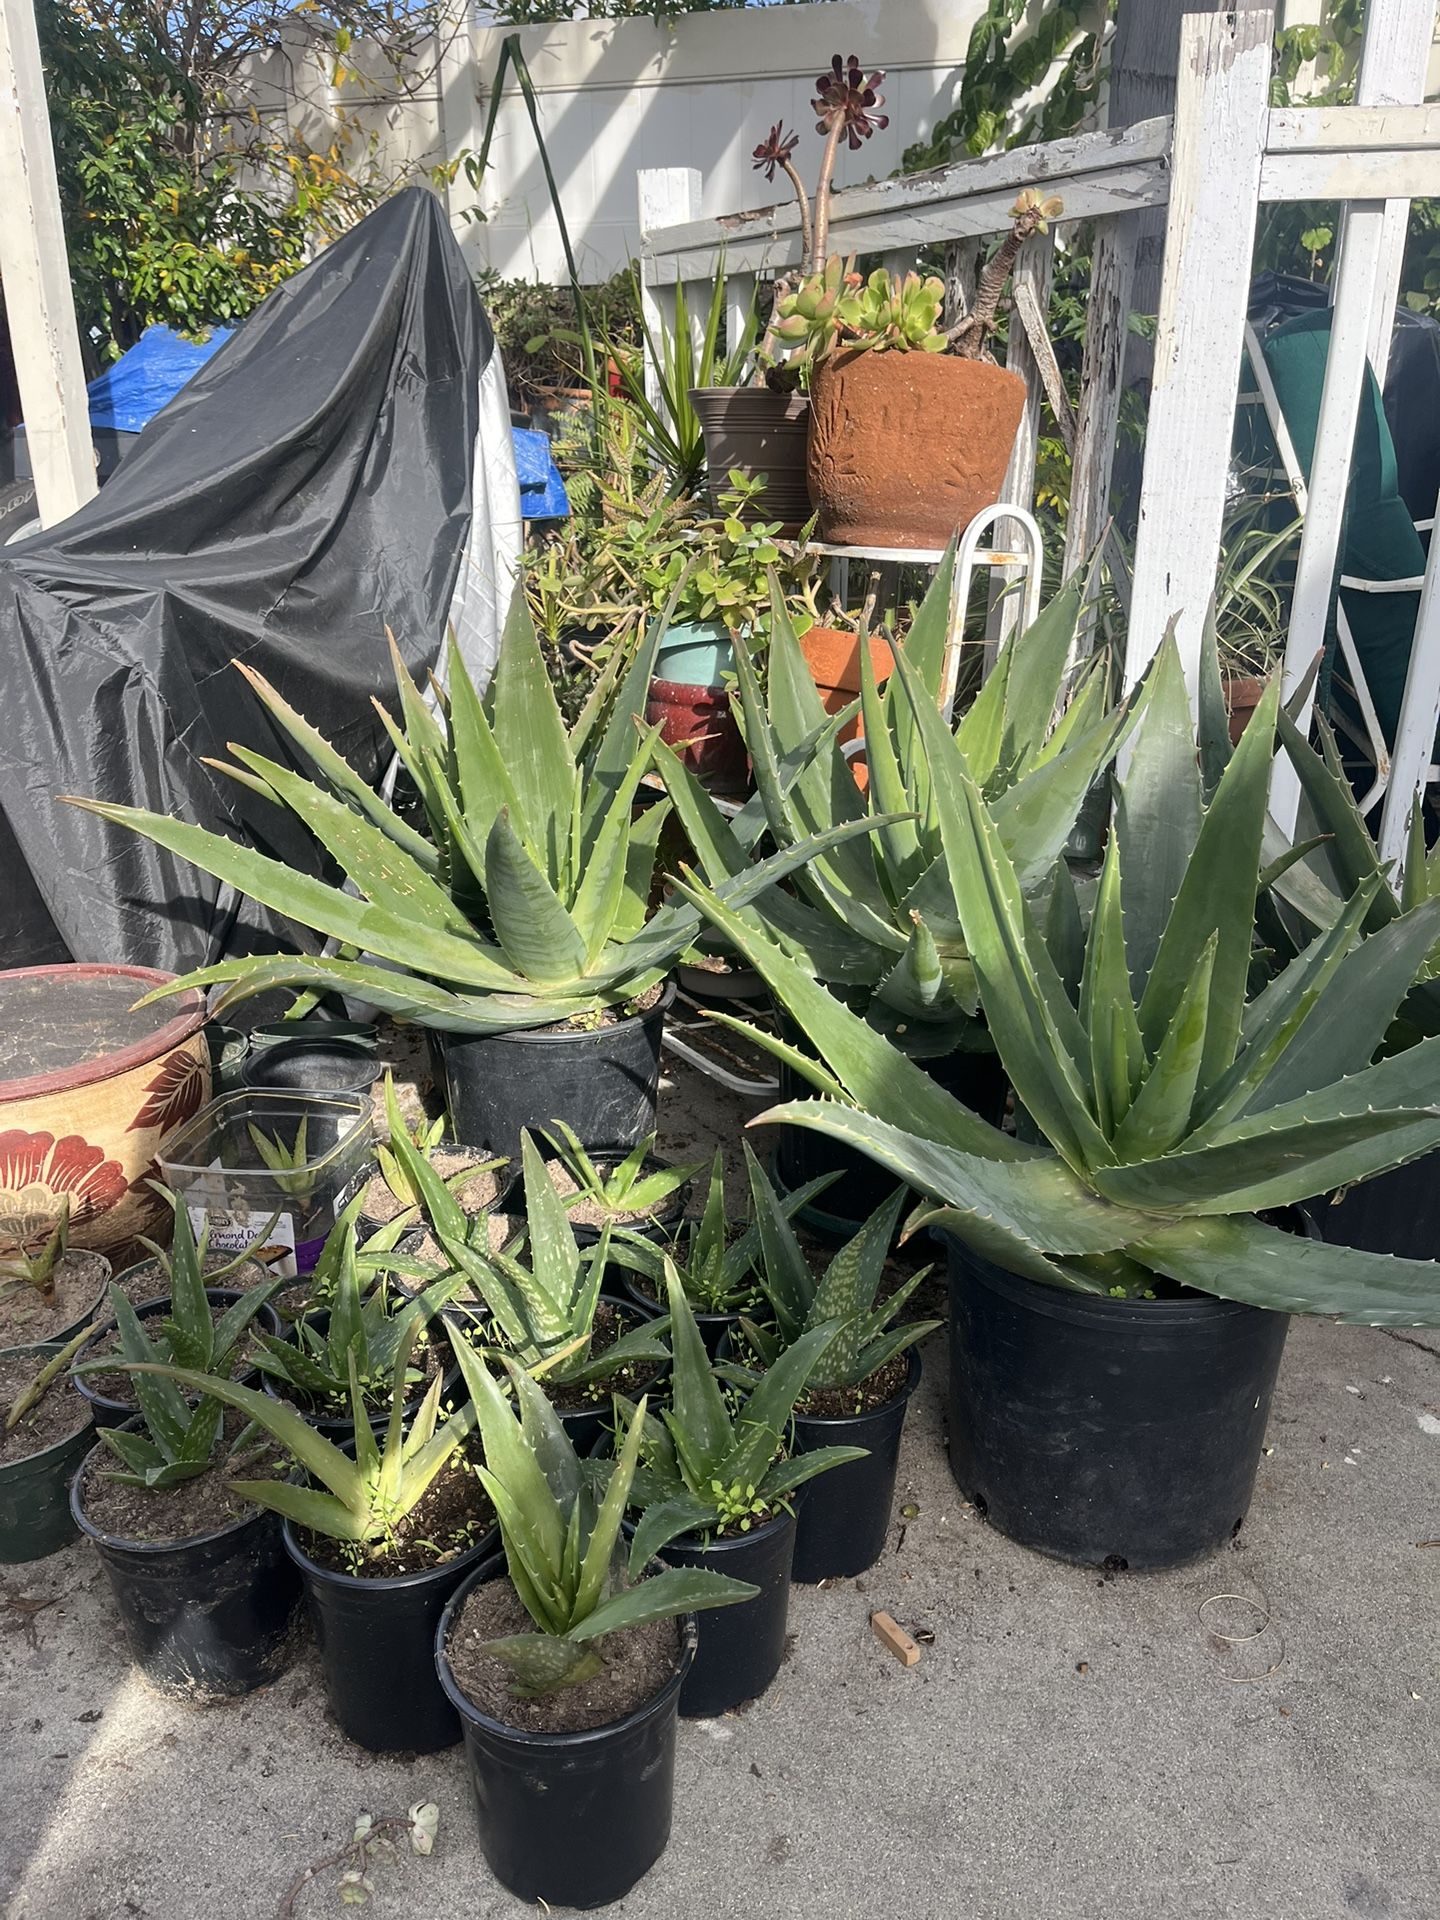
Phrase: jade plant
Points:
(715, 1265)
(1168, 1110)
(707, 1467)
(562, 1539)
(877, 918)
(622, 1191)
(538, 1301)
(844, 1296)
(523, 899)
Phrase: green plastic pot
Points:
(35, 1517)
(695, 654)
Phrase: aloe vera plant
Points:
(877, 918)
(538, 1300)
(625, 1190)
(843, 1297)
(36, 1268)
(1173, 1109)
(716, 1267)
(523, 904)
(705, 1469)
(562, 1542)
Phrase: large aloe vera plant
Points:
(876, 917)
(522, 902)
(1174, 1109)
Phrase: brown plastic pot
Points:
(759, 432)
(907, 447)
(1243, 693)
(833, 657)
(699, 723)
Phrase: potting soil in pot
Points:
(590, 1213)
(638, 1662)
(184, 1512)
(59, 1414)
(452, 1514)
(473, 1195)
(27, 1316)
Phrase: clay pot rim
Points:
(106, 1066)
(885, 665)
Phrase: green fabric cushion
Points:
(1380, 538)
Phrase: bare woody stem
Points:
(968, 336)
(821, 234)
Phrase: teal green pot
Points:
(695, 654)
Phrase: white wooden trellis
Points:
(1225, 154)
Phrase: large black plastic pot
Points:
(114, 1413)
(377, 1649)
(976, 1079)
(570, 1819)
(739, 1648)
(208, 1618)
(844, 1516)
(603, 1083)
(35, 1517)
(312, 1065)
(1396, 1212)
(1119, 1433)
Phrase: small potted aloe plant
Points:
(713, 1491)
(638, 1190)
(876, 352)
(206, 1594)
(857, 1391)
(565, 1670)
(48, 1292)
(382, 1532)
(44, 1436)
(474, 1180)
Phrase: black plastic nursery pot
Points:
(35, 1516)
(1396, 1212)
(209, 1618)
(570, 1819)
(976, 1079)
(713, 1326)
(604, 1082)
(114, 1413)
(843, 1517)
(1115, 1433)
(739, 1648)
(319, 1065)
(340, 1428)
(377, 1648)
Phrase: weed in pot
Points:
(45, 1436)
(715, 1257)
(542, 1302)
(382, 1531)
(565, 1669)
(713, 1490)
(206, 1592)
(47, 1292)
(857, 1391)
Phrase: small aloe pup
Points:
(625, 1191)
(562, 1548)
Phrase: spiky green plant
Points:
(35, 1389)
(36, 1268)
(876, 918)
(539, 1300)
(562, 1543)
(525, 902)
(865, 1339)
(1173, 1111)
(705, 1468)
(624, 1190)
(717, 1271)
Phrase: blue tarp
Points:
(127, 396)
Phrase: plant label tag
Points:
(267, 1237)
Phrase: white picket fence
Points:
(1224, 154)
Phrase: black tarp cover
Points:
(312, 484)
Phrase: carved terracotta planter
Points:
(95, 1088)
(907, 447)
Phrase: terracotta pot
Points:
(759, 432)
(1242, 696)
(97, 1087)
(906, 447)
(833, 657)
(698, 721)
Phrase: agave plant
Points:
(1174, 1111)
(717, 1272)
(706, 1469)
(877, 918)
(843, 1297)
(541, 1299)
(525, 902)
(562, 1543)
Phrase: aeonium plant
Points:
(562, 1539)
(1173, 1111)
